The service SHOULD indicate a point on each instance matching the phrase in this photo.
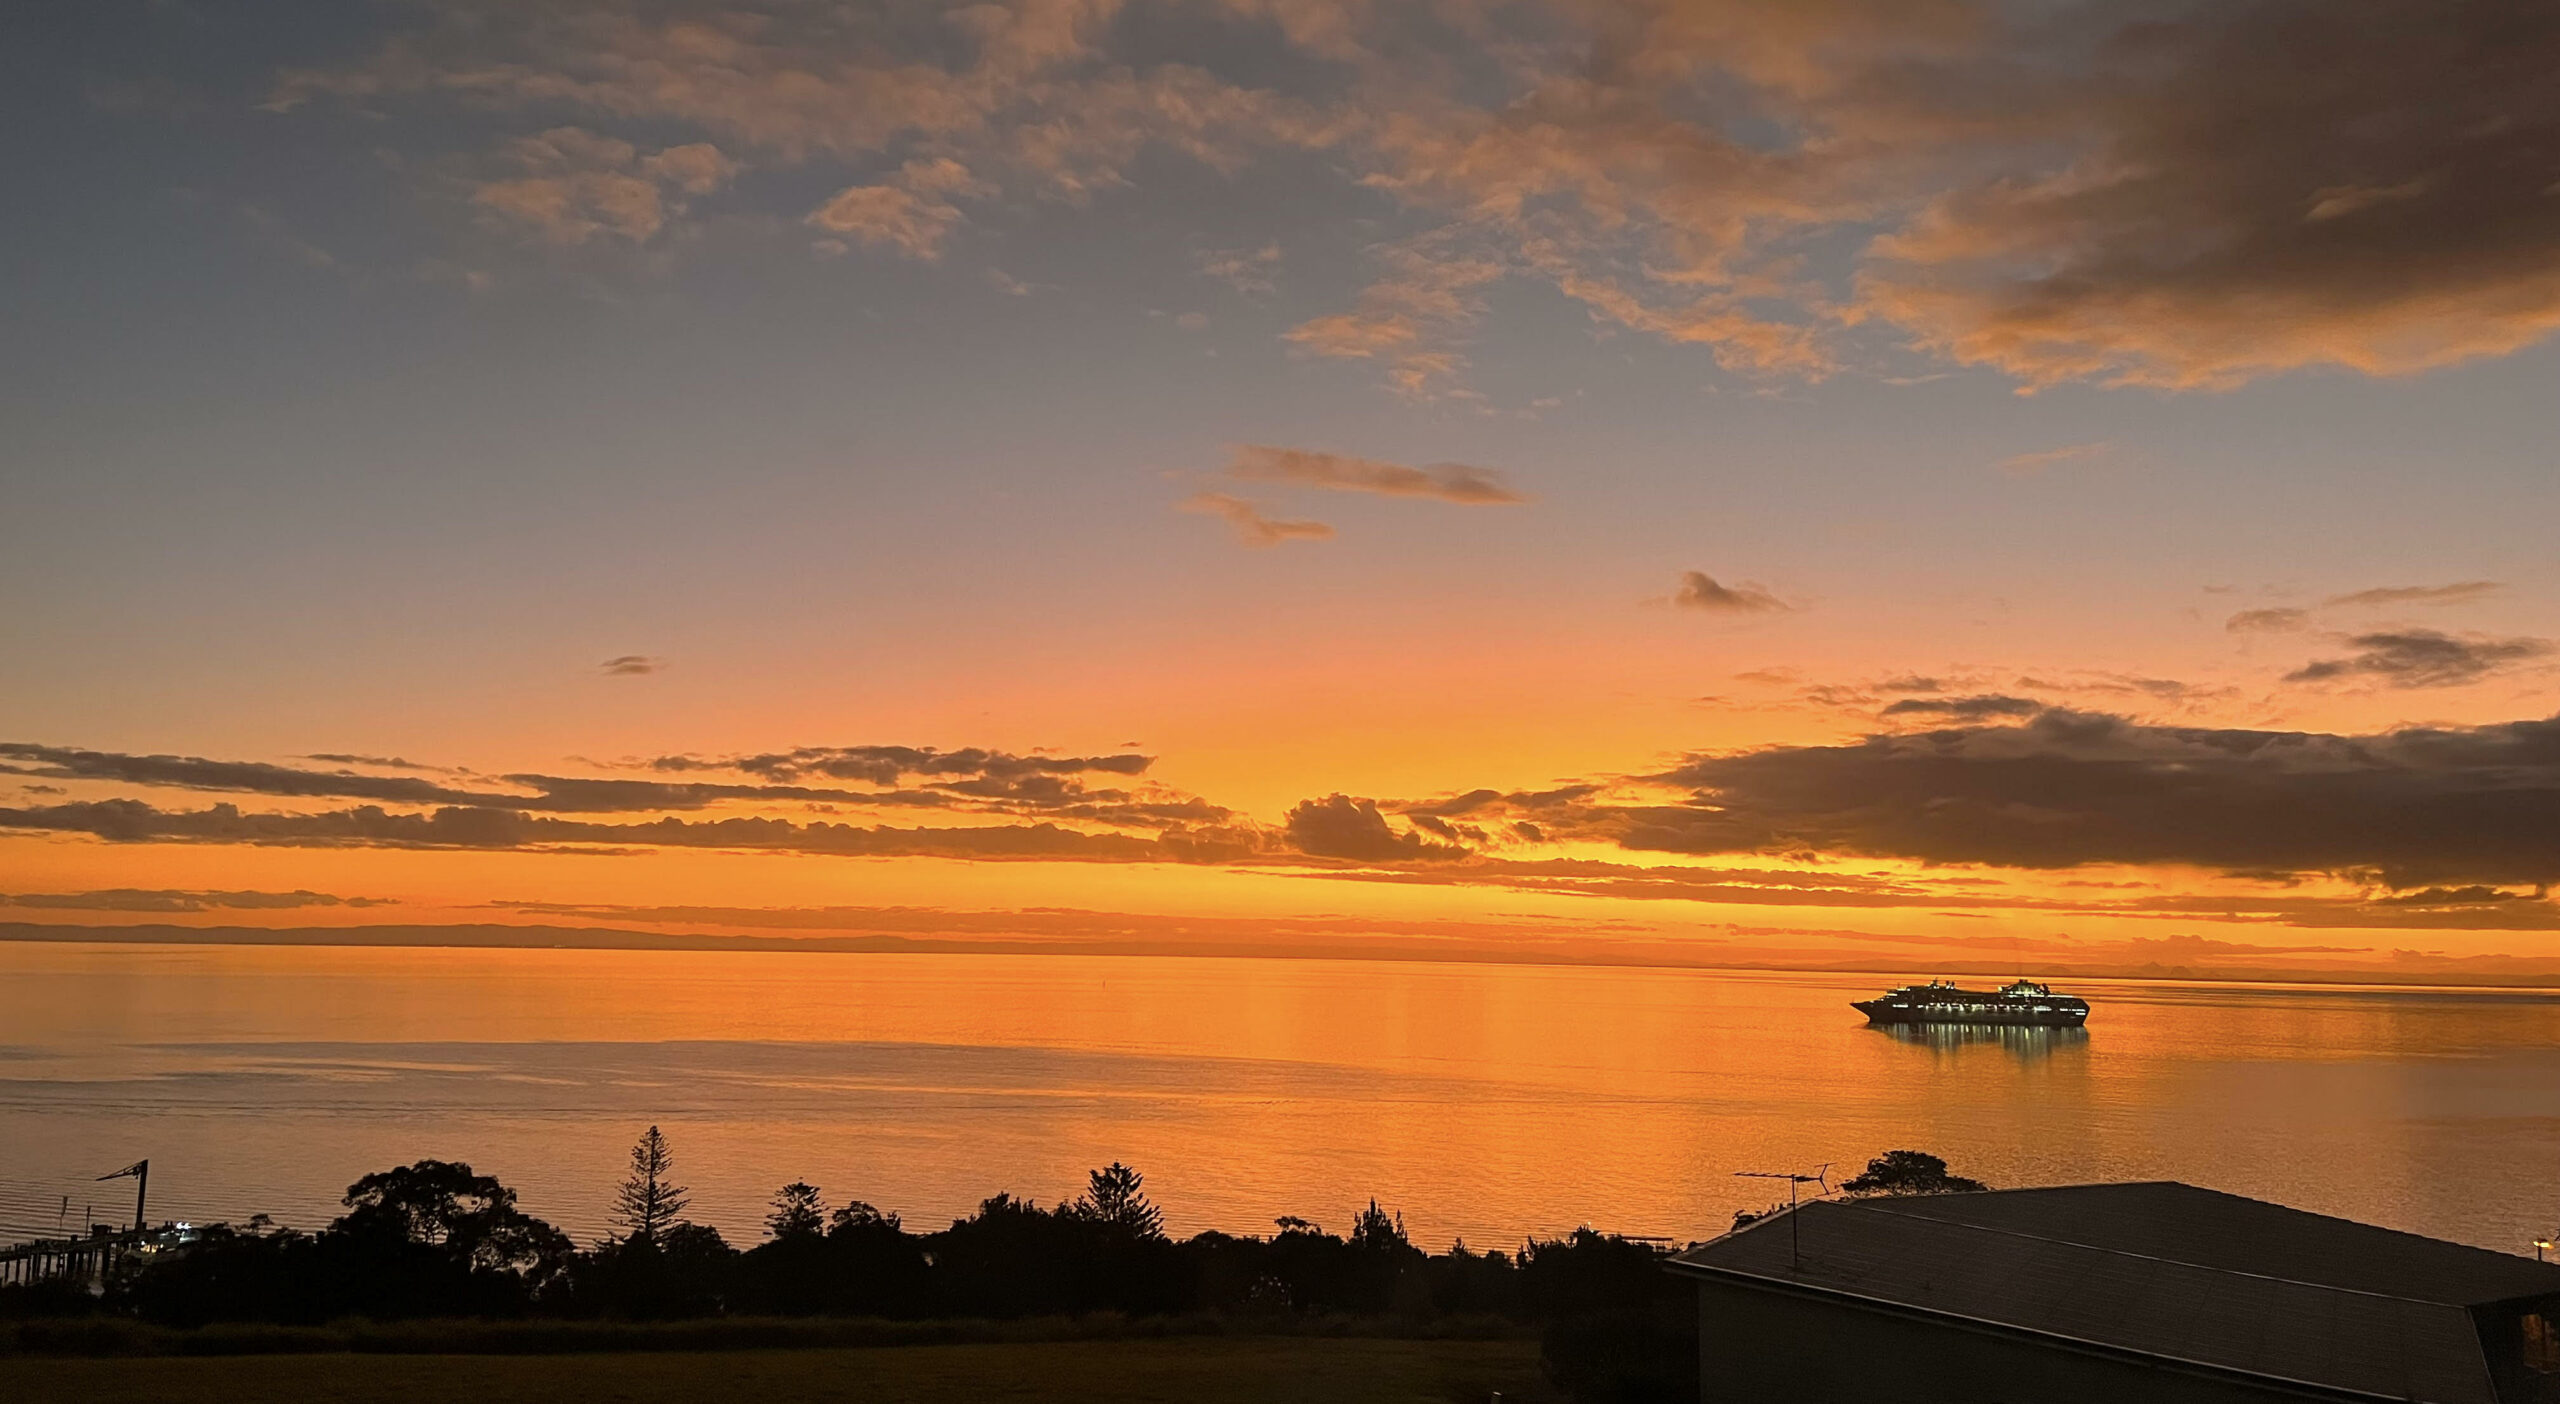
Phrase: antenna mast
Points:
(1795, 1185)
(140, 1171)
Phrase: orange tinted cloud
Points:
(1699, 590)
(2104, 194)
(1251, 526)
(1444, 482)
(912, 214)
(575, 185)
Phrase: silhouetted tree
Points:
(228, 1275)
(650, 1200)
(422, 1202)
(429, 1239)
(797, 1212)
(874, 1266)
(1901, 1172)
(437, 1239)
(856, 1214)
(1377, 1230)
(680, 1270)
(793, 1272)
(442, 1204)
(1114, 1198)
(1473, 1284)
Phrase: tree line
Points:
(437, 1239)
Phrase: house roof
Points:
(2161, 1269)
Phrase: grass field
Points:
(1197, 1370)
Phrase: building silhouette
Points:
(2163, 1293)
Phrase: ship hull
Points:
(1881, 1012)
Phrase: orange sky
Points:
(1857, 482)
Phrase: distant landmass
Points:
(2408, 968)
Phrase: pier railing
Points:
(85, 1261)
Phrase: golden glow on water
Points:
(1485, 1101)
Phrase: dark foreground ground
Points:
(1177, 1371)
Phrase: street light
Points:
(2540, 1245)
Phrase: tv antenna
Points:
(1795, 1187)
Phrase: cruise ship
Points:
(2020, 1002)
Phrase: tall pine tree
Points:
(1115, 1198)
(650, 1199)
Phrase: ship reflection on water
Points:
(2025, 1042)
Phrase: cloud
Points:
(573, 185)
(633, 665)
(910, 777)
(2421, 658)
(1407, 320)
(1070, 928)
(378, 762)
(1699, 590)
(1339, 826)
(130, 899)
(2417, 806)
(1981, 708)
(2028, 464)
(131, 821)
(885, 765)
(2440, 827)
(912, 213)
(1513, 802)
(2376, 200)
(1251, 526)
(2460, 592)
(1442, 482)
(2268, 621)
(1249, 271)
(2187, 196)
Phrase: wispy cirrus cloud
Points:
(1458, 483)
(2027, 465)
(377, 762)
(1410, 319)
(171, 900)
(2459, 592)
(2274, 620)
(1250, 524)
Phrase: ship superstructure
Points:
(2020, 1002)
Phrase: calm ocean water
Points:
(1487, 1102)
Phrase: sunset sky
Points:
(1915, 484)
